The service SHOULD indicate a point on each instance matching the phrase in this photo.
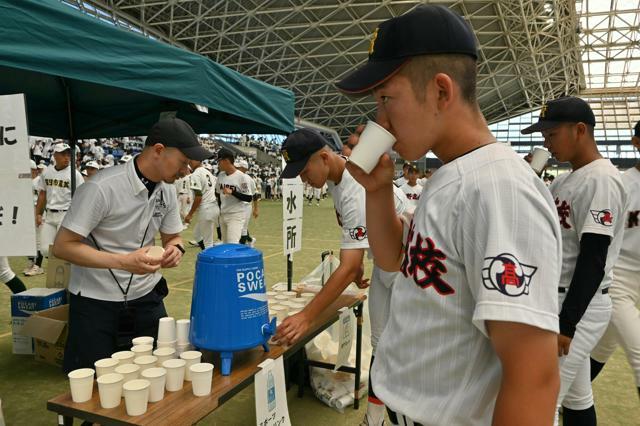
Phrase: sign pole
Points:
(289, 271)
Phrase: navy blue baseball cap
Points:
(567, 109)
(297, 148)
(426, 30)
(176, 133)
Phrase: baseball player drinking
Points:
(473, 315)
(54, 197)
(203, 185)
(307, 155)
(624, 328)
(590, 205)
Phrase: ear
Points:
(581, 129)
(158, 149)
(444, 89)
(635, 141)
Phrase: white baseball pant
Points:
(624, 328)
(6, 274)
(231, 226)
(575, 368)
(52, 222)
(207, 220)
(247, 219)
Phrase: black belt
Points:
(55, 211)
(564, 290)
(400, 419)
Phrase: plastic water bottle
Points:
(271, 392)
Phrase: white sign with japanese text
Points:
(271, 394)
(292, 207)
(345, 337)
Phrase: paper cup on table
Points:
(180, 349)
(136, 396)
(164, 354)
(171, 344)
(296, 306)
(292, 313)
(105, 366)
(81, 384)
(201, 376)
(182, 330)
(374, 141)
(128, 371)
(157, 378)
(142, 350)
(175, 374)
(290, 294)
(167, 329)
(190, 357)
(124, 357)
(272, 294)
(110, 389)
(146, 362)
(142, 340)
(280, 311)
(539, 159)
(281, 298)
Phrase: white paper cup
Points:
(156, 252)
(539, 159)
(157, 378)
(110, 389)
(164, 354)
(272, 294)
(142, 340)
(105, 366)
(81, 384)
(182, 330)
(296, 306)
(136, 396)
(180, 349)
(280, 311)
(171, 344)
(290, 294)
(142, 350)
(128, 371)
(124, 357)
(374, 141)
(175, 374)
(146, 362)
(201, 376)
(167, 329)
(281, 298)
(292, 313)
(190, 357)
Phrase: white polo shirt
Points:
(115, 208)
(629, 257)
(484, 244)
(57, 185)
(589, 200)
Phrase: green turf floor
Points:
(25, 385)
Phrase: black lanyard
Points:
(124, 292)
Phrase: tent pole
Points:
(72, 138)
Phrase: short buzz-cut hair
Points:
(462, 69)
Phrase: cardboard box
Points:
(49, 331)
(25, 304)
(58, 272)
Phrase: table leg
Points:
(65, 420)
(359, 320)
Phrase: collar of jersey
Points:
(136, 184)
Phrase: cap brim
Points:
(197, 153)
(292, 170)
(540, 126)
(369, 76)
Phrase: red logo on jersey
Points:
(425, 263)
(358, 233)
(507, 275)
(564, 210)
(413, 196)
(632, 222)
(602, 217)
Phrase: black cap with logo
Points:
(175, 133)
(426, 30)
(297, 148)
(567, 109)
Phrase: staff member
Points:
(115, 288)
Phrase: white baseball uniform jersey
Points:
(203, 181)
(590, 199)
(57, 184)
(183, 185)
(486, 246)
(629, 257)
(237, 181)
(35, 188)
(412, 193)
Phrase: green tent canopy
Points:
(112, 82)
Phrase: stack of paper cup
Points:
(164, 354)
(128, 371)
(81, 384)
(290, 294)
(280, 298)
(280, 312)
(271, 295)
(146, 362)
(190, 357)
(296, 306)
(175, 374)
(110, 389)
(201, 377)
(292, 313)
(142, 350)
(374, 141)
(136, 396)
(183, 327)
(306, 297)
(143, 340)
(124, 357)
(157, 378)
(105, 366)
(167, 333)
